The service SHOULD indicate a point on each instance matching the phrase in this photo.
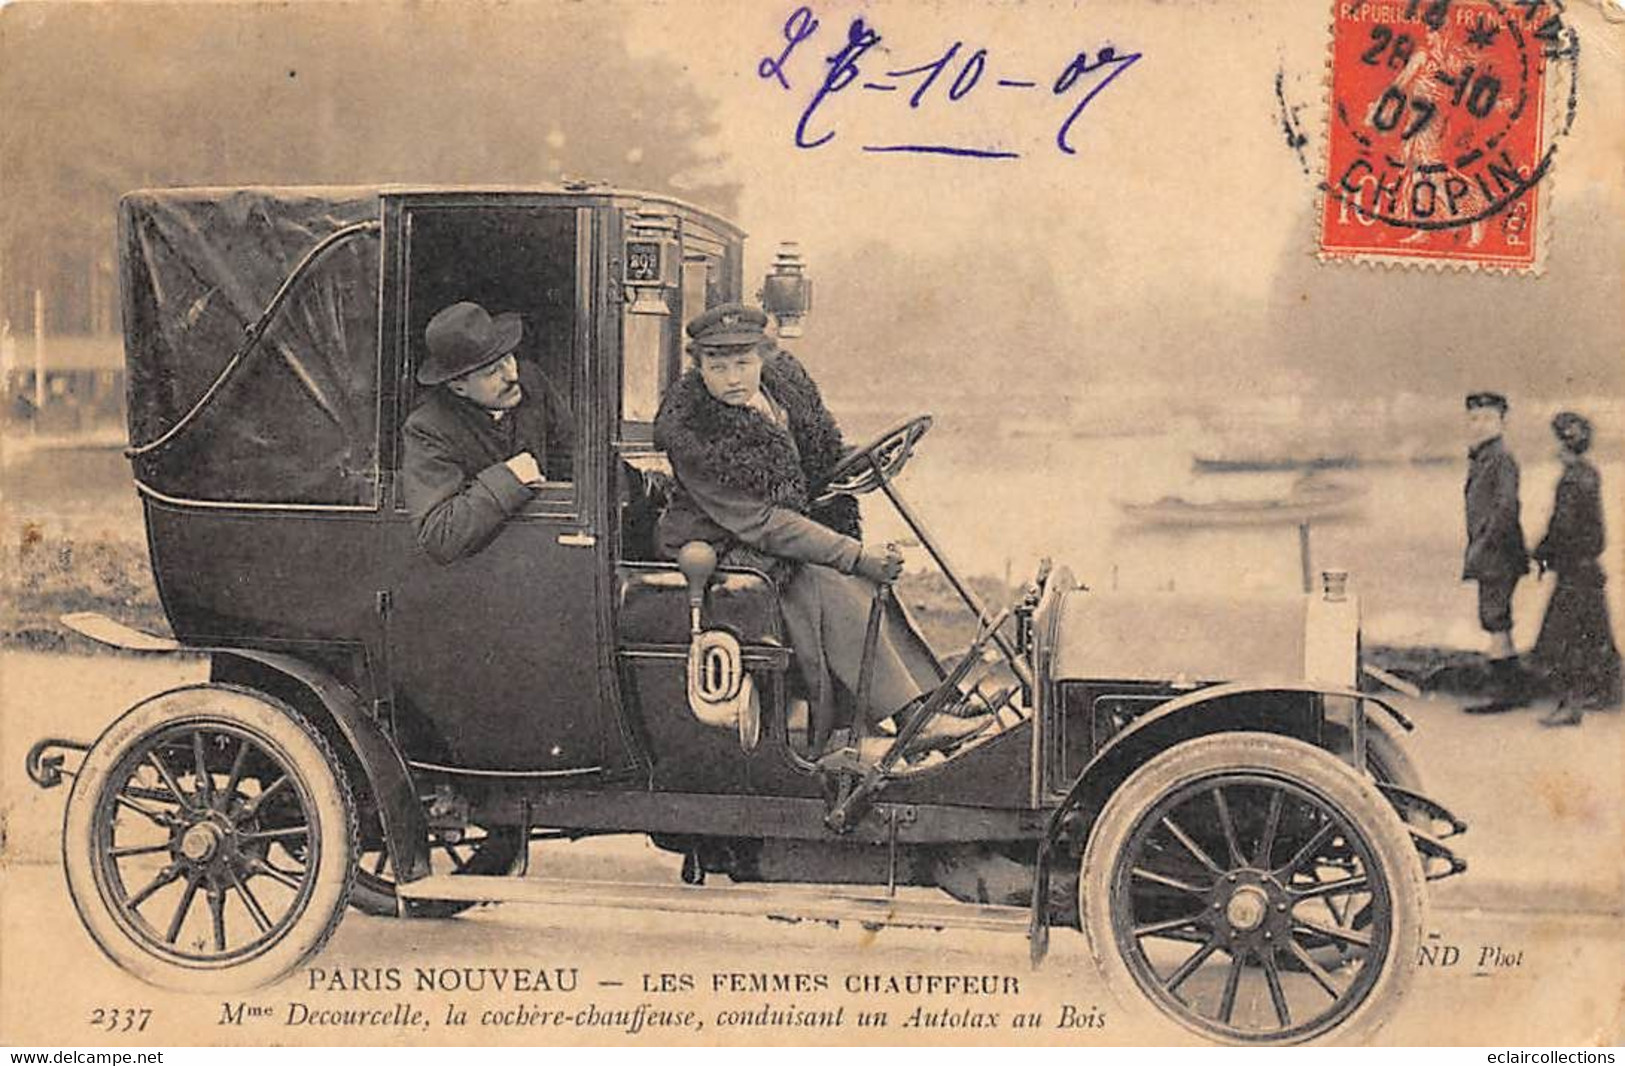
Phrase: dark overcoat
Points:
(732, 454)
(1576, 650)
(1495, 544)
(452, 473)
(1575, 535)
(744, 485)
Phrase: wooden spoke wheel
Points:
(1219, 872)
(209, 841)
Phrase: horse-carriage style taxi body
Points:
(1198, 784)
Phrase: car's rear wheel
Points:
(209, 840)
(481, 852)
(1226, 856)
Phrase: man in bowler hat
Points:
(1496, 557)
(476, 448)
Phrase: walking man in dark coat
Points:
(1496, 557)
(476, 448)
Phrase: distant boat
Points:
(1310, 500)
(1433, 459)
(1213, 464)
(1031, 427)
(1407, 453)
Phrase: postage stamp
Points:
(1437, 141)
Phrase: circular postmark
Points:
(1439, 123)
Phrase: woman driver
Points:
(750, 442)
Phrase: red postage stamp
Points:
(1437, 141)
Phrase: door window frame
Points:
(558, 501)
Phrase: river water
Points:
(996, 504)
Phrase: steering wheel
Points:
(883, 458)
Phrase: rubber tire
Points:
(1388, 763)
(1385, 753)
(305, 755)
(1306, 765)
(375, 895)
(372, 893)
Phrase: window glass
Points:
(699, 286)
(644, 347)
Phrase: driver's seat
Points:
(644, 491)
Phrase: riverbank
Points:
(45, 575)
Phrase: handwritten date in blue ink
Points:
(947, 80)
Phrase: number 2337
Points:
(121, 1019)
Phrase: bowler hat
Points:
(727, 326)
(465, 337)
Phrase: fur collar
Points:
(737, 447)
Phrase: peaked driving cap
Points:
(1487, 399)
(465, 337)
(727, 326)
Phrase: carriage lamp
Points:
(1334, 585)
(787, 290)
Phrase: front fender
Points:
(1285, 707)
(1291, 708)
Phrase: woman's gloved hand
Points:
(881, 565)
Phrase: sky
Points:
(1183, 225)
(1172, 248)
(1157, 157)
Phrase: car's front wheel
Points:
(1217, 868)
(209, 841)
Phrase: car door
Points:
(497, 658)
(492, 656)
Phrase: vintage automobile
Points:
(1200, 784)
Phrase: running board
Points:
(748, 900)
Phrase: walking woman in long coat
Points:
(751, 444)
(1575, 651)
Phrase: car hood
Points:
(1199, 638)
